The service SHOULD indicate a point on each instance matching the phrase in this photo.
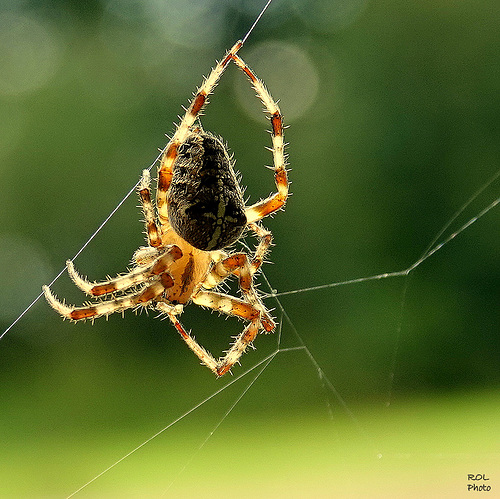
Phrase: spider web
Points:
(245, 393)
(442, 238)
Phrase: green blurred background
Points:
(395, 123)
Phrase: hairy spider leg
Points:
(95, 310)
(266, 239)
(165, 170)
(276, 201)
(135, 277)
(226, 304)
(238, 348)
(239, 264)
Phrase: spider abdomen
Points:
(205, 202)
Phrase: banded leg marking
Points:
(226, 304)
(95, 310)
(238, 348)
(266, 239)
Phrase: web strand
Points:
(80, 251)
(244, 39)
(264, 362)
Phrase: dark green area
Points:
(403, 131)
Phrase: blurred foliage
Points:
(395, 115)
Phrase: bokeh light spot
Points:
(187, 24)
(30, 53)
(288, 73)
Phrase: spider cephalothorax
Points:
(205, 203)
(198, 214)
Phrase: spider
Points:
(198, 214)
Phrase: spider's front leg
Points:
(200, 99)
(276, 201)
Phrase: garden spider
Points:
(199, 212)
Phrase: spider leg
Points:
(165, 170)
(229, 305)
(239, 264)
(238, 348)
(153, 230)
(274, 202)
(93, 310)
(266, 239)
(136, 276)
(205, 356)
(245, 338)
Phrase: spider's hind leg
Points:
(231, 305)
(238, 348)
(256, 315)
(224, 364)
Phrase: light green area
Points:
(419, 447)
